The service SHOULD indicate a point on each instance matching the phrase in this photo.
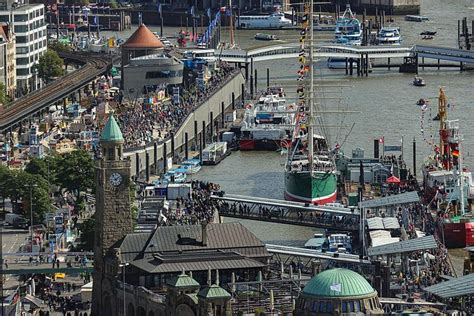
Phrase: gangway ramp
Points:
(315, 254)
(445, 53)
(304, 207)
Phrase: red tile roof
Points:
(143, 38)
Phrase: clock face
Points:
(115, 179)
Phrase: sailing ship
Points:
(447, 183)
(310, 172)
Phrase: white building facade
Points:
(31, 42)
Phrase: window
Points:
(357, 306)
(4, 18)
(322, 307)
(351, 307)
(22, 72)
(22, 61)
(22, 50)
(21, 18)
(21, 39)
(163, 74)
(21, 28)
(345, 307)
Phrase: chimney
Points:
(204, 233)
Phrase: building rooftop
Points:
(213, 292)
(111, 131)
(336, 283)
(143, 38)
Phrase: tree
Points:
(87, 234)
(59, 47)
(50, 65)
(4, 98)
(75, 172)
(113, 4)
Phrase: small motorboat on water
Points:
(427, 37)
(421, 102)
(416, 18)
(265, 37)
(419, 82)
(428, 33)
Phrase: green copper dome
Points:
(111, 131)
(338, 283)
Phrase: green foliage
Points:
(59, 47)
(49, 66)
(75, 172)
(113, 4)
(16, 185)
(87, 229)
(4, 98)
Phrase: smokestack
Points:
(204, 232)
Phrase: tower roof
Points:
(143, 38)
(183, 281)
(338, 283)
(111, 131)
(213, 292)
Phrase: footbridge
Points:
(320, 51)
(32, 103)
(445, 53)
(334, 218)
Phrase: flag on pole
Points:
(96, 20)
(336, 287)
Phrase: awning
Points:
(462, 286)
(393, 179)
(423, 243)
(376, 223)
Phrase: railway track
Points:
(93, 66)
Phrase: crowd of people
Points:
(142, 123)
(197, 208)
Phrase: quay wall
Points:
(394, 7)
(200, 114)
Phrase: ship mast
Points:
(231, 25)
(442, 104)
(310, 135)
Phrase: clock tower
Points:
(113, 215)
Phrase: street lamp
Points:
(126, 264)
(31, 212)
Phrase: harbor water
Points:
(386, 102)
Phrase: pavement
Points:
(12, 240)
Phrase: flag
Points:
(382, 140)
(391, 170)
(96, 20)
(337, 287)
(455, 153)
(192, 11)
(223, 9)
(229, 12)
(209, 12)
(159, 8)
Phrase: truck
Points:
(15, 220)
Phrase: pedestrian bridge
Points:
(320, 51)
(343, 51)
(335, 218)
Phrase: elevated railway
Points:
(93, 67)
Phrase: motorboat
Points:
(215, 153)
(341, 243)
(428, 33)
(348, 28)
(419, 82)
(175, 176)
(427, 37)
(421, 102)
(388, 36)
(191, 166)
(318, 242)
(416, 18)
(272, 21)
(265, 37)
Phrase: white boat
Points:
(214, 153)
(388, 35)
(348, 28)
(272, 21)
(416, 18)
(265, 37)
(175, 176)
(191, 166)
(340, 63)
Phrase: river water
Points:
(385, 99)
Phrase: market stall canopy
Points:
(393, 179)
(462, 286)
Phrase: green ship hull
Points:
(319, 188)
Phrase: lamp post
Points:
(123, 285)
(31, 213)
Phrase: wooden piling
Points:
(186, 148)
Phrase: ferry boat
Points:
(272, 21)
(388, 35)
(447, 184)
(348, 28)
(341, 243)
(175, 176)
(310, 170)
(267, 124)
(416, 18)
(215, 153)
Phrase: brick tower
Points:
(113, 216)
